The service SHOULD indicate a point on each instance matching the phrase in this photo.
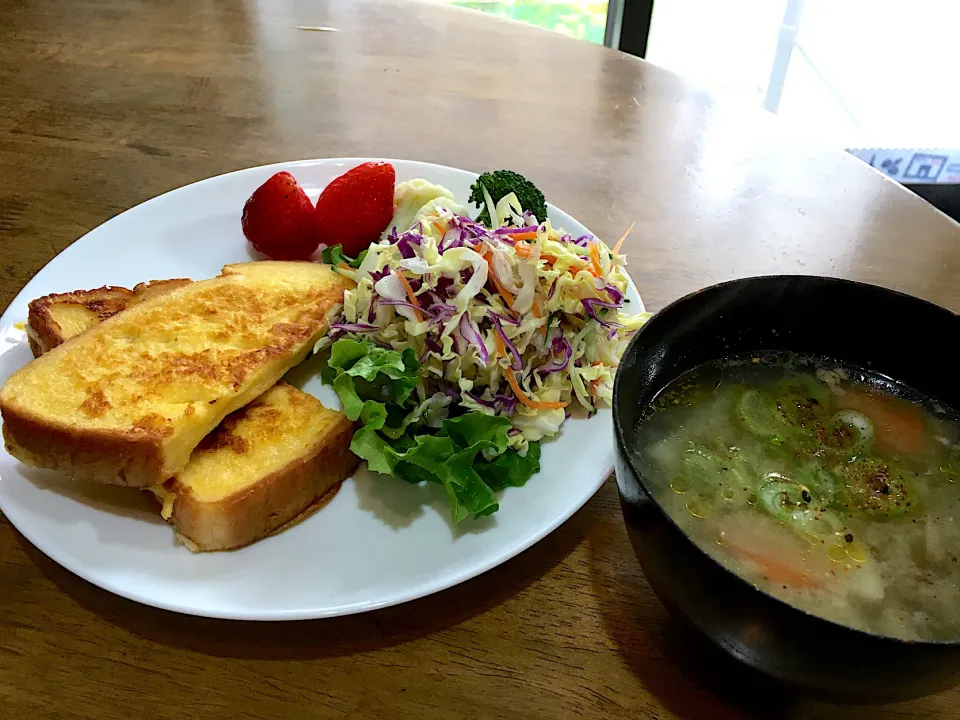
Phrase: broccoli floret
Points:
(503, 182)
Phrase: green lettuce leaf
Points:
(469, 455)
(510, 469)
(472, 428)
(334, 256)
(367, 377)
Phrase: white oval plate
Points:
(381, 541)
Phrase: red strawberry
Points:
(278, 220)
(356, 207)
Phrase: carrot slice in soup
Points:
(897, 425)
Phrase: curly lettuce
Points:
(468, 454)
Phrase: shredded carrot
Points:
(524, 252)
(538, 313)
(343, 266)
(521, 396)
(529, 235)
(616, 248)
(440, 229)
(410, 296)
(595, 259)
(504, 293)
(498, 341)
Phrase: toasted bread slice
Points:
(54, 318)
(129, 399)
(269, 464)
(260, 469)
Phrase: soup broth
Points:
(831, 488)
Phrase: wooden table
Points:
(105, 103)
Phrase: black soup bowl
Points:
(903, 337)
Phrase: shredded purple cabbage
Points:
(458, 235)
(471, 333)
(471, 226)
(504, 318)
(512, 230)
(612, 290)
(378, 275)
(429, 298)
(354, 327)
(502, 404)
(553, 288)
(405, 245)
(517, 362)
(433, 345)
(560, 345)
(435, 307)
(507, 404)
(591, 304)
(450, 391)
(400, 303)
(583, 240)
(444, 286)
(441, 312)
(406, 241)
(451, 239)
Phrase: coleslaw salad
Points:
(475, 340)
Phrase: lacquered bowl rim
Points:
(665, 316)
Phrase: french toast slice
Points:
(263, 467)
(51, 319)
(129, 399)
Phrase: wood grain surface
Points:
(106, 103)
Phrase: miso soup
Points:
(829, 487)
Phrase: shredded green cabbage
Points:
(517, 322)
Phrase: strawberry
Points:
(278, 220)
(356, 207)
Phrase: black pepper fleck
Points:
(848, 537)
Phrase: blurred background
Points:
(583, 19)
(872, 76)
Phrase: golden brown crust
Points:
(273, 503)
(314, 507)
(152, 288)
(47, 333)
(112, 380)
(44, 331)
(107, 457)
(22, 432)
